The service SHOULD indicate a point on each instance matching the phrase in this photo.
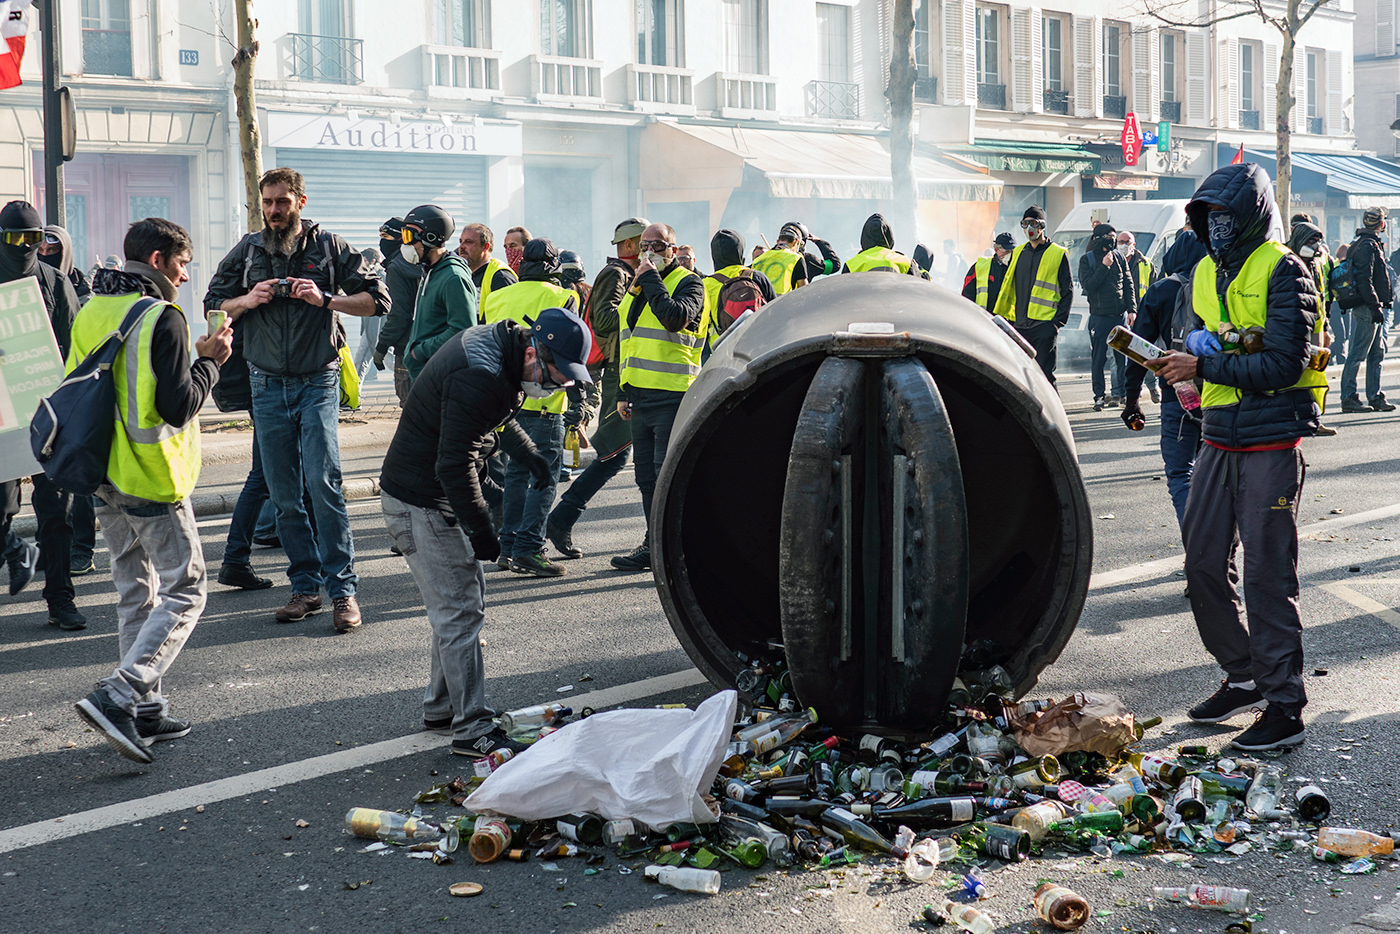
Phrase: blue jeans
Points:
(297, 419)
(526, 508)
(585, 487)
(1181, 437)
(254, 515)
(653, 416)
(1367, 343)
(1339, 320)
(1099, 354)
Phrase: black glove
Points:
(1131, 411)
(379, 359)
(539, 467)
(1377, 316)
(486, 546)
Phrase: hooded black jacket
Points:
(877, 232)
(727, 249)
(1108, 289)
(1268, 411)
(1301, 234)
(1154, 315)
(1369, 271)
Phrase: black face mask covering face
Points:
(51, 259)
(16, 262)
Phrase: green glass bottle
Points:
(1099, 821)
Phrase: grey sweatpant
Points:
(454, 593)
(1248, 499)
(158, 570)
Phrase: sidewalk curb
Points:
(1382, 919)
(219, 504)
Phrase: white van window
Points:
(1075, 242)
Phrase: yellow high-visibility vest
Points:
(982, 270)
(777, 265)
(493, 266)
(515, 302)
(150, 458)
(1045, 291)
(879, 257)
(653, 357)
(1246, 305)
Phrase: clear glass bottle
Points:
(685, 879)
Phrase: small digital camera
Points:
(283, 289)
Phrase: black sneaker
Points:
(483, 746)
(22, 567)
(242, 577)
(438, 726)
(80, 566)
(1226, 703)
(638, 559)
(1098, 404)
(116, 725)
(1273, 729)
(1380, 405)
(1354, 405)
(1113, 402)
(160, 728)
(536, 565)
(562, 539)
(504, 563)
(67, 618)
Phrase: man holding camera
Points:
(286, 284)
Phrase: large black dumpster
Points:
(870, 473)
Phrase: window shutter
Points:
(1196, 79)
(1227, 98)
(1154, 74)
(1037, 61)
(959, 52)
(1269, 111)
(1397, 117)
(1088, 66)
(1385, 28)
(1026, 78)
(1300, 89)
(1334, 93)
(1146, 74)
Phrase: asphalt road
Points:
(265, 696)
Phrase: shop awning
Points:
(1364, 181)
(799, 164)
(1011, 156)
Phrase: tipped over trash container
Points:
(869, 473)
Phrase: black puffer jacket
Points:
(1268, 411)
(1368, 270)
(1108, 289)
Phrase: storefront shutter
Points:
(1334, 93)
(1026, 77)
(1197, 79)
(1088, 66)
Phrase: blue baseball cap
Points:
(568, 339)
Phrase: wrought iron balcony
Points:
(1171, 111)
(834, 100)
(926, 90)
(1249, 119)
(332, 59)
(1315, 126)
(1056, 102)
(107, 52)
(1115, 106)
(991, 96)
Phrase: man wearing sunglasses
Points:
(21, 232)
(1037, 290)
(664, 321)
(432, 500)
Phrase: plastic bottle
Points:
(1265, 791)
(397, 828)
(532, 718)
(969, 918)
(1037, 819)
(1215, 897)
(1062, 907)
(699, 881)
(490, 839)
(1350, 842)
(1313, 803)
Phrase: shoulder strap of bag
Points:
(135, 314)
(722, 279)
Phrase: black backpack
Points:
(1343, 282)
(71, 434)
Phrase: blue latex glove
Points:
(1202, 343)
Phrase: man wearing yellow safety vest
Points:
(527, 500)
(784, 264)
(1144, 274)
(733, 288)
(144, 505)
(488, 272)
(663, 333)
(1256, 313)
(982, 283)
(877, 251)
(1038, 289)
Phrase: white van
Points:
(1154, 224)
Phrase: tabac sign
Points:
(354, 133)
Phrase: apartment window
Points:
(923, 64)
(660, 33)
(465, 23)
(1168, 44)
(1312, 84)
(833, 42)
(746, 36)
(1112, 60)
(1052, 32)
(321, 18)
(107, 37)
(1247, 76)
(566, 28)
(988, 46)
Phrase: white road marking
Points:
(1364, 603)
(1323, 527)
(179, 799)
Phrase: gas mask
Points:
(409, 254)
(1307, 251)
(1222, 229)
(1033, 229)
(543, 386)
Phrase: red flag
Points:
(14, 27)
(1239, 156)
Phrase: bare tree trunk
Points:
(1283, 125)
(249, 139)
(901, 97)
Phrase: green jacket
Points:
(446, 305)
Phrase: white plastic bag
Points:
(651, 765)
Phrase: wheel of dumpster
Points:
(746, 546)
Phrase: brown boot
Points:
(299, 607)
(346, 615)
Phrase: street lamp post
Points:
(54, 155)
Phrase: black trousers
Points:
(1042, 336)
(52, 510)
(1249, 499)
